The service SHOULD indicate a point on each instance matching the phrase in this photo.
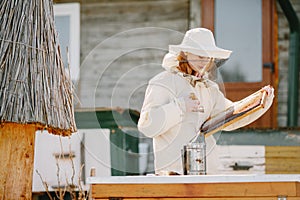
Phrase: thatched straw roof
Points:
(34, 85)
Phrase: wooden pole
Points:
(17, 159)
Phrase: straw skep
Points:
(34, 85)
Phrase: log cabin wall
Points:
(119, 50)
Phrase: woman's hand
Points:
(269, 89)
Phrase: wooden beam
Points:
(17, 159)
(197, 190)
(282, 159)
(208, 14)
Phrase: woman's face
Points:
(197, 63)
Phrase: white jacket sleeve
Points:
(253, 116)
(160, 112)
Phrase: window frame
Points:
(73, 11)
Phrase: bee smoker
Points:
(194, 156)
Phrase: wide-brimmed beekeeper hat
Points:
(201, 42)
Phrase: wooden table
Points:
(209, 187)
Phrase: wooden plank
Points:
(283, 151)
(137, 11)
(225, 198)
(219, 198)
(125, 24)
(229, 155)
(208, 14)
(242, 151)
(284, 162)
(17, 156)
(282, 159)
(280, 172)
(197, 190)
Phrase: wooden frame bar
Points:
(197, 187)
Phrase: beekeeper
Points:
(178, 100)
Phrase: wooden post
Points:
(17, 159)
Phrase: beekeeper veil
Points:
(201, 42)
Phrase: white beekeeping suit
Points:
(171, 117)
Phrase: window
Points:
(67, 22)
(247, 28)
(243, 37)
